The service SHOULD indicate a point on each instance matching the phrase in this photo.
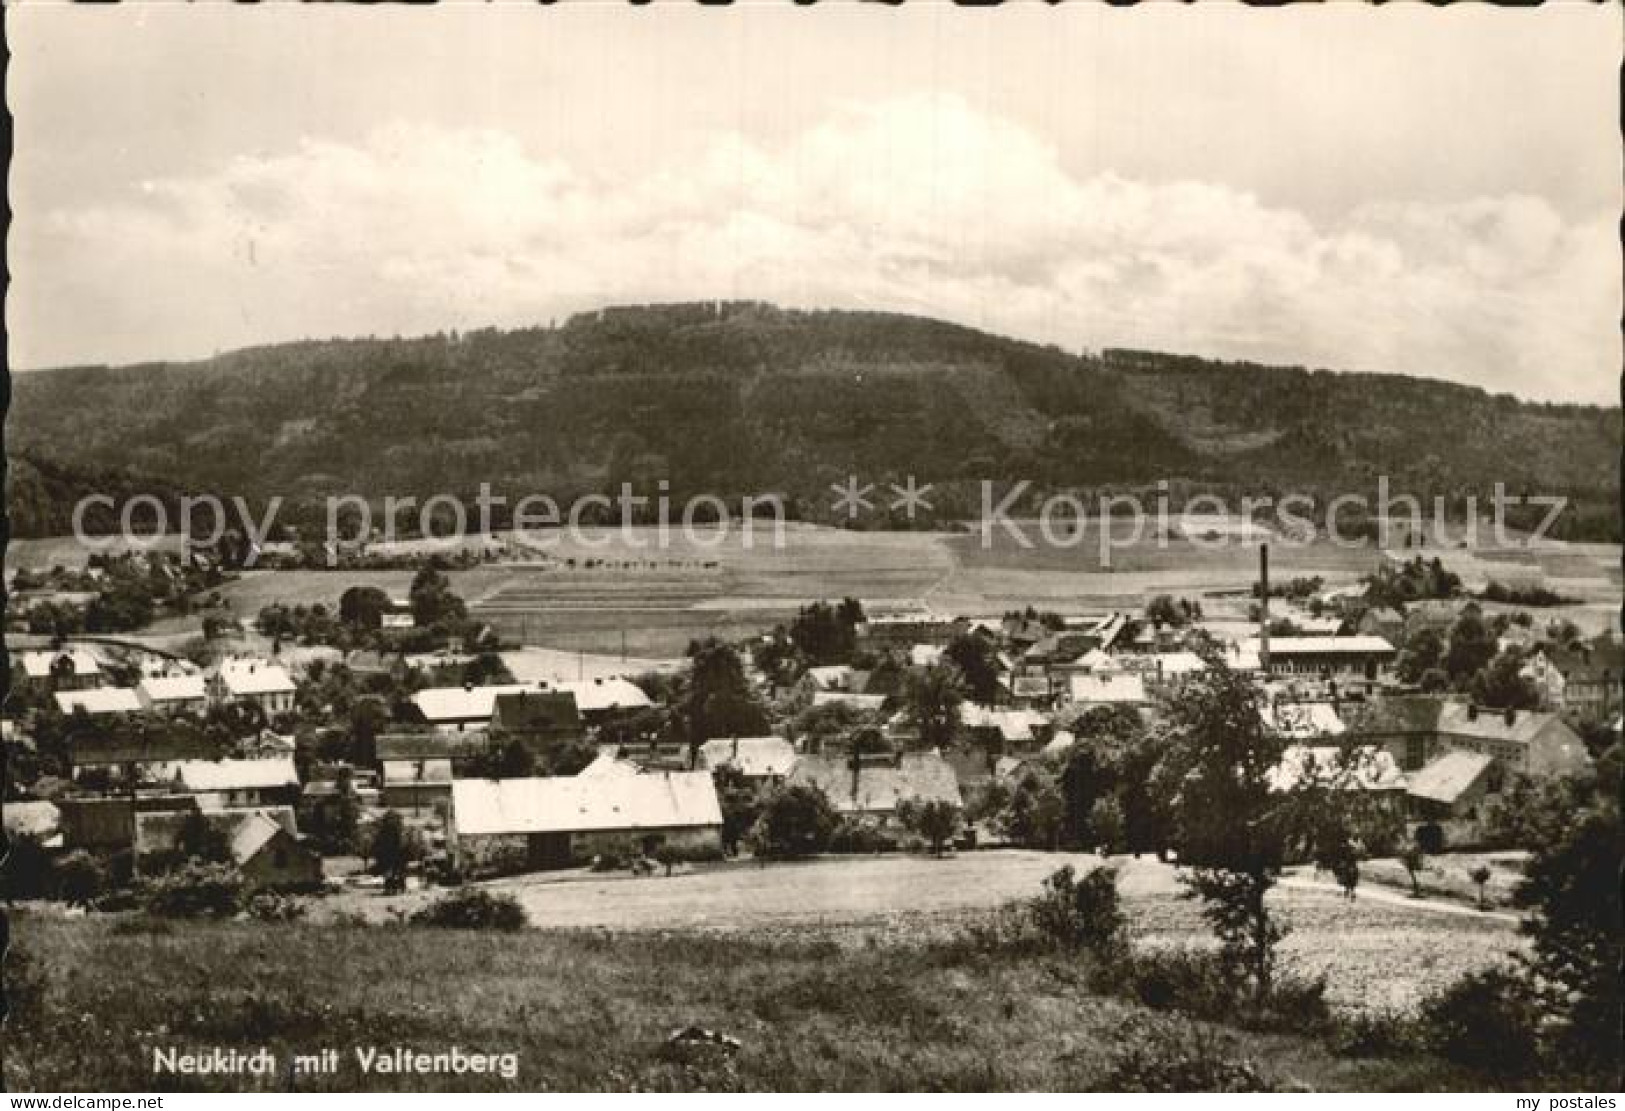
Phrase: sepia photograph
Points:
(812, 548)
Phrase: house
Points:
(1004, 730)
(134, 753)
(397, 614)
(764, 761)
(865, 703)
(267, 685)
(1028, 691)
(109, 823)
(68, 670)
(1359, 655)
(1366, 768)
(874, 789)
(1582, 682)
(263, 843)
(1418, 729)
(511, 825)
(416, 769)
(538, 719)
(604, 699)
(1303, 721)
(1446, 800)
(99, 702)
(833, 677)
(925, 655)
(172, 694)
(899, 631)
(1123, 688)
(459, 709)
(220, 784)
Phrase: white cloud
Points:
(919, 204)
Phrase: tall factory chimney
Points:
(1264, 608)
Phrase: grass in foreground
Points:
(587, 1011)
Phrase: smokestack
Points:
(1264, 608)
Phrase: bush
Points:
(1082, 914)
(25, 987)
(1375, 1034)
(1169, 1057)
(858, 836)
(1202, 984)
(1486, 1021)
(797, 821)
(472, 908)
(195, 890)
(614, 859)
(29, 873)
(269, 906)
(81, 878)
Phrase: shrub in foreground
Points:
(1486, 1021)
(1082, 913)
(1203, 984)
(472, 908)
(1163, 1056)
(195, 890)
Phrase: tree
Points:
(1481, 878)
(977, 664)
(826, 634)
(1106, 824)
(1471, 646)
(741, 805)
(363, 607)
(433, 603)
(1503, 686)
(1570, 889)
(510, 760)
(716, 700)
(1423, 651)
(200, 839)
(1033, 817)
(936, 820)
(931, 699)
(1415, 862)
(393, 849)
(797, 820)
(1231, 827)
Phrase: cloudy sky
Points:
(1426, 191)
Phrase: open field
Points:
(591, 1011)
(649, 594)
(1375, 954)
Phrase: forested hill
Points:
(736, 398)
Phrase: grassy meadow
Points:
(591, 1010)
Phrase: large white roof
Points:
(577, 804)
(1125, 687)
(605, 694)
(231, 775)
(99, 700)
(440, 704)
(244, 678)
(171, 688)
(1322, 645)
(37, 665)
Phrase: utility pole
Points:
(1264, 608)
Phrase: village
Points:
(412, 756)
